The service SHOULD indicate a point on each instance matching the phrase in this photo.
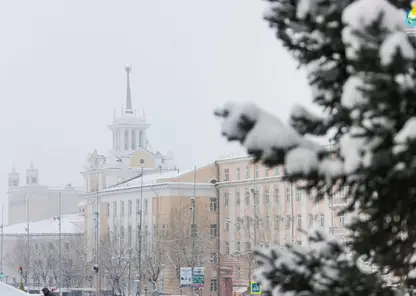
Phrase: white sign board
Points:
(186, 277)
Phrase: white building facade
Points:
(32, 201)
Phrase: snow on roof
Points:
(70, 224)
(149, 179)
(10, 291)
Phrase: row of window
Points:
(266, 222)
(278, 171)
(129, 207)
(266, 195)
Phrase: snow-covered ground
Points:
(10, 291)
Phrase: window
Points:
(287, 222)
(247, 172)
(247, 197)
(213, 230)
(278, 171)
(299, 221)
(248, 222)
(126, 140)
(137, 206)
(225, 199)
(122, 208)
(276, 193)
(238, 174)
(213, 204)
(33, 180)
(115, 208)
(213, 286)
(266, 198)
(237, 196)
(227, 248)
(129, 232)
(238, 272)
(238, 247)
(248, 246)
(322, 220)
(298, 242)
(266, 172)
(277, 222)
(226, 175)
(287, 193)
(122, 232)
(266, 222)
(256, 171)
(227, 226)
(133, 139)
(214, 257)
(146, 204)
(298, 194)
(341, 219)
(310, 220)
(130, 206)
(238, 224)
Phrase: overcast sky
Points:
(62, 74)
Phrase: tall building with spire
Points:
(30, 201)
(130, 150)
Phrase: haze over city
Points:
(62, 75)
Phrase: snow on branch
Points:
(325, 267)
(273, 143)
(304, 122)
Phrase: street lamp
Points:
(58, 218)
(2, 237)
(140, 212)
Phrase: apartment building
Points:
(258, 208)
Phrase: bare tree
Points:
(155, 258)
(184, 250)
(114, 261)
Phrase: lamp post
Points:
(28, 240)
(140, 214)
(2, 237)
(58, 218)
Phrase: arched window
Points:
(126, 140)
(133, 139)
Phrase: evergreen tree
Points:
(361, 68)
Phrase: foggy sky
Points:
(62, 74)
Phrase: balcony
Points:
(339, 231)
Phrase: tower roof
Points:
(129, 106)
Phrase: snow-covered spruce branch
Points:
(324, 267)
(274, 143)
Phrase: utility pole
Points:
(255, 218)
(138, 292)
(97, 239)
(193, 232)
(2, 237)
(60, 245)
(292, 208)
(28, 241)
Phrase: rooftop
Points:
(70, 224)
(149, 179)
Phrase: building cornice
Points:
(234, 159)
(257, 181)
(150, 188)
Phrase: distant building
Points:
(39, 241)
(32, 201)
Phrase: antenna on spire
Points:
(129, 107)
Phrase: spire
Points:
(129, 107)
